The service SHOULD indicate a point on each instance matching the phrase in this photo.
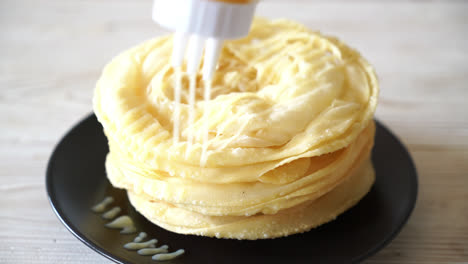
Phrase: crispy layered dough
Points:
(282, 92)
(293, 220)
(324, 173)
(290, 134)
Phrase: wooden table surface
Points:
(52, 53)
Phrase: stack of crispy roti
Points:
(290, 129)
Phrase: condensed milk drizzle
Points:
(140, 245)
(112, 213)
(140, 237)
(100, 207)
(153, 251)
(125, 223)
(168, 256)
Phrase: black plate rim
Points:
(109, 255)
(56, 208)
(409, 210)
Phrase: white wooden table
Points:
(52, 52)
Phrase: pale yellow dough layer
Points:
(324, 173)
(290, 133)
(297, 219)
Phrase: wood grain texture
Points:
(52, 52)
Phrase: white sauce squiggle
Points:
(100, 207)
(125, 223)
(140, 237)
(140, 245)
(168, 256)
(153, 251)
(112, 213)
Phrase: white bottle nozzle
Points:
(213, 21)
(207, 18)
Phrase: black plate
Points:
(76, 180)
